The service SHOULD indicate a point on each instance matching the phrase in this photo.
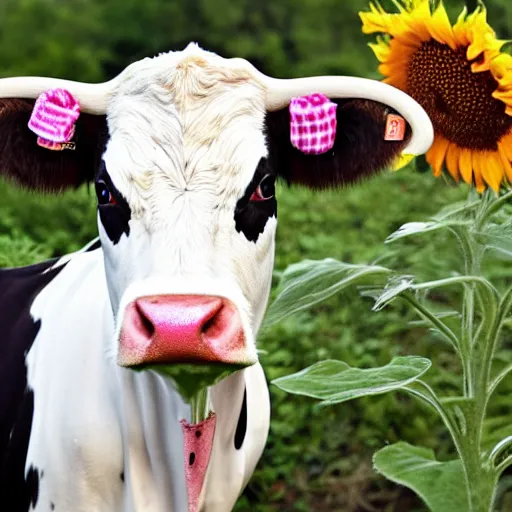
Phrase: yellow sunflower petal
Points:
(436, 154)
(452, 161)
(460, 29)
(477, 158)
(501, 69)
(396, 25)
(377, 22)
(466, 165)
(420, 17)
(480, 65)
(479, 183)
(505, 146)
(475, 49)
(492, 170)
(482, 41)
(504, 96)
(380, 51)
(505, 161)
(440, 28)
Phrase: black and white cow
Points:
(184, 150)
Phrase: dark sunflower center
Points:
(458, 101)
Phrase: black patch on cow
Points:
(241, 427)
(122, 476)
(114, 217)
(95, 246)
(359, 149)
(32, 481)
(52, 505)
(191, 458)
(251, 216)
(19, 288)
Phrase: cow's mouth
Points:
(196, 340)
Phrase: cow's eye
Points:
(104, 194)
(266, 189)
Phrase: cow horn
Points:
(280, 92)
(93, 98)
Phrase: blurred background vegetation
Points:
(316, 459)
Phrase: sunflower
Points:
(460, 76)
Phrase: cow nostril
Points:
(146, 326)
(214, 323)
(217, 323)
(209, 325)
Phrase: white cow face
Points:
(187, 212)
(184, 163)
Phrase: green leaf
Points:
(310, 282)
(441, 485)
(497, 237)
(394, 287)
(335, 381)
(416, 228)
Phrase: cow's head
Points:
(184, 151)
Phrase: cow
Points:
(104, 352)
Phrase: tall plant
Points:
(464, 81)
(474, 332)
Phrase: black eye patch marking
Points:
(114, 216)
(251, 216)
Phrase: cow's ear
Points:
(29, 165)
(359, 150)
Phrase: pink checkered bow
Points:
(53, 118)
(312, 123)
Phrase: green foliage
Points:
(19, 250)
(307, 283)
(438, 483)
(473, 328)
(335, 382)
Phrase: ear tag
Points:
(312, 124)
(53, 119)
(395, 127)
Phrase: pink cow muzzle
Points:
(184, 334)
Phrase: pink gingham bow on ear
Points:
(53, 119)
(312, 123)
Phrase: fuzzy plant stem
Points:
(479, 346)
